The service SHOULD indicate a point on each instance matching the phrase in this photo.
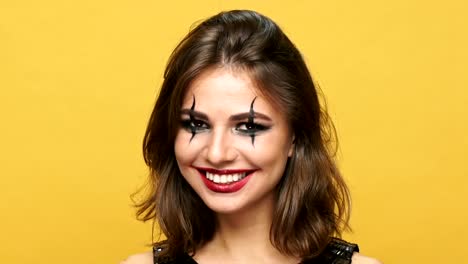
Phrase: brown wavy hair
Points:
(312, 198)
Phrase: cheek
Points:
(186, 151)
(270, 157)
(180, 148)
(275, 144)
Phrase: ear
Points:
(291, 148)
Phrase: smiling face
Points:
(232, 145)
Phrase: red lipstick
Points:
(224, 187)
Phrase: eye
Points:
(194, 125)
(250, 128)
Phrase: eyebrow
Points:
(194, 113)
(243, 116)
(233, 118)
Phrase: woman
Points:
(238, 150)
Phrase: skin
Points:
(209, 137)
(223, 143)
(147, 258)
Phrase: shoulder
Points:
(361, 259)
(143, 258)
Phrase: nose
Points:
(220, 148)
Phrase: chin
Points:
(223, 205)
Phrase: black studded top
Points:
(337, 252)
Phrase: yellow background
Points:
(78, 81)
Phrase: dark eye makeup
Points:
(250, 128)
(194, 125)
(242, 128)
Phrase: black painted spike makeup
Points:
(246, 125)
(251, 119)
(192, 119)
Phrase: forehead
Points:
(222, 86)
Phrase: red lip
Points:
(216, 171)
(224, 187)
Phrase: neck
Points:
(244, 237)
(244, 230)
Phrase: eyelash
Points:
(197, 125)
(251, 128)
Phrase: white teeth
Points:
(225, 178)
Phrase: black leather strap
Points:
(337, 252)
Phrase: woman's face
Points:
(232, 145)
